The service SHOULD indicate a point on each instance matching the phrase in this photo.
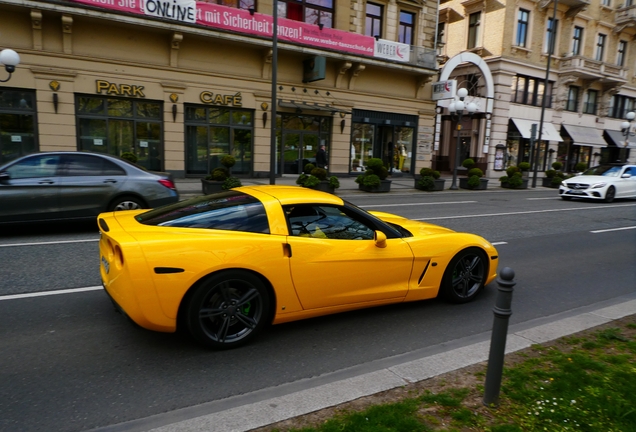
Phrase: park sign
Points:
(444, 89)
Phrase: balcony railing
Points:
(592, 69)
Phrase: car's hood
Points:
(589, 179)
(415, 227)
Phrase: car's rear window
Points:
(231, 211)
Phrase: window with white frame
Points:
(523, 20)
(406, 28)
(620, 105)
(572, 103)
(441, 38)
(373, 25)
(591, 98)
(622, 50)
(577, 40)
(607, 3)
(601, 39)
(309, 11)
(550, 35)
(474, 21)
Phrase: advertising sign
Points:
(392, 50)
(444, 89)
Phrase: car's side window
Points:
(35, 167)
(325, 222)
(87, 165)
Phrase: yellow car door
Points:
(335, 260)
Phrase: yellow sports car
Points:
(225, 265)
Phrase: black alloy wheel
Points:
(465, 276)
(610, 194)
(126, 203)
(228, 310)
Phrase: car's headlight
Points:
(598, 185)
(564, 184)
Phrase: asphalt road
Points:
(69, 363)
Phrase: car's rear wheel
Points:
(228, 309)
(126, 203)
(610, 194)
(465, 276)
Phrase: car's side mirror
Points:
(380, 239)
(626, 175)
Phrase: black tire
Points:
(126, 203)
(465, 276)
(566, 198)
(227, 310)
(610, 194)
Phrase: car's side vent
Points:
(166, 270)
(103, 225)
(423, 273)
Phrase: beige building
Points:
(181, 83)
(591, 81)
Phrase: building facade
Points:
(183, 83)
(591, 80)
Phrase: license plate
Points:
(106, 265)
(576, 192)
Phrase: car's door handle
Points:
(287, 250)
(46, 182)
(110, 181)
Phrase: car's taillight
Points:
(168, 183)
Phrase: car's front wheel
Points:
(610, 194)
(465, 276)
(126, 203)
(228, 309)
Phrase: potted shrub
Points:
(220, 178)
(316, 178)
(580, 167)
(374, 178)
(429, 180)
(474, 180)
(557, 165)
(130, 157)
(515, 181)
(549, 175)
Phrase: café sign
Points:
(220, 99)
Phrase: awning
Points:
(548, 131)
(618, 139)
(304, 106)
(585, 136)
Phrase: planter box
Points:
(524, 185)
(483, 184)
(211, 186)
(547, 182)
(439, 185)
(324, 186)
(385, 186)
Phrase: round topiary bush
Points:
(524, 166)
(426, 183)
(511, 170)
(231, 182)
(228, 161)
(311, 181)
(556, 181)
(130, 157)
(377, 166)
(473, 182)
(515, 181)
(307, 169)
(334, 182)
(371, 180)
(429, 172)
(320, 173)
(301, 179)
(550, 173)
(475, 172)
(580, 167)
(504, 179)
(468, 163)
(557, 165)
(219, 174)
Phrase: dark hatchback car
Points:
(78, 185)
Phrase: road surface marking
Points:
(49, 293)
(499, 243)
(417, 204)
(612, 229)
(48, 243)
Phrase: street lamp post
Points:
(456, 109)
(10, 59)
(626, 128)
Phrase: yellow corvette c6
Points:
(223, 266)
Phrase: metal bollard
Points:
(502, 313)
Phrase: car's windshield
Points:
(604, 170)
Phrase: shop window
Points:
(115, 126)
(572, 103)
(309, 11)
(361, 145)
(239, 4)
(18, 125)
(406, 27)
(523, 20)
(373, 24)
(213, 132)
(591, 98)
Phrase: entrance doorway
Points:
(299, 150)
